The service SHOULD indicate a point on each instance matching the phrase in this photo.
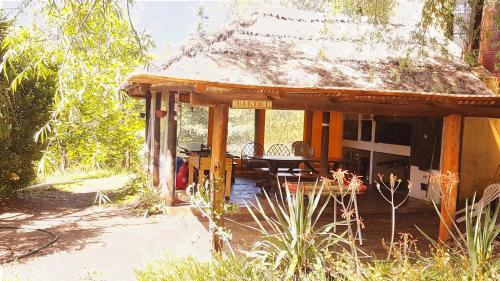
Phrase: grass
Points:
(217, 269)
(80, 175)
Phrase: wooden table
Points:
(276, 162)
(202, 164)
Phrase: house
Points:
(380, 96)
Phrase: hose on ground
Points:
(32, 251)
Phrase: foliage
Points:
(394, 183)
(201, 200)
(291, 241)
(475, 247)
(93, 47)
(21, 115)
(149, 200)
(18, 150)
(217, 269)
(193, 127)
(101, 198)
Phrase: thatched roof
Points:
(309, 50)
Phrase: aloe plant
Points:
(292, 242)
(476, 245)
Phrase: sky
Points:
(168, 22)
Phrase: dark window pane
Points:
(366, 130)
(393, 132)
(351, 129)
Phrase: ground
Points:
(95, 243)
(109, 242)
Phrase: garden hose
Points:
(34, 250)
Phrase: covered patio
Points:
(283, 60)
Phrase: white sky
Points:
(168, 22)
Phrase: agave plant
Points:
(291, 240)
(476, 245)
(101, 198)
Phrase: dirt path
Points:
(95, 243)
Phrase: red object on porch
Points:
(160, 113)
(294, 186)
(181, 179)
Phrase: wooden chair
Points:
(490, 194)
(300, 148)
(249, 150)
(278, 150)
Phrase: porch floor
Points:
(374, 211)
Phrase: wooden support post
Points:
(452, 126)
(156, 141)
(217, 170)
(168, 191)
(325, 139)
(147, 132)
(260, 126)
(210, 126)
(336, 135)
(148, 116)
(317, 120)
(308, 122)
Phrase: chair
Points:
(300, 148)
(490, 194)
(249, 150)
(278, 150)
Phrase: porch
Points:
(375, 214)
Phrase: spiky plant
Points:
(292, 242)
(476, 245)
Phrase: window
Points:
(351, 126)
(393, 131)
(366, 130)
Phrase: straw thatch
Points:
(299, 49)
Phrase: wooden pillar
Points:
(148, 116)
(325, 139)
(308, 121)
(452, 126)
(147, 132)
(217, 169)
(168, 191)
(317, 120)
(156, 140)
(260, 126)
(336, 134)
(210, 126)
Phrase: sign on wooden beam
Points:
(252, 104)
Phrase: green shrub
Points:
(149, 200)
(30, 107)
(291, 241)
(217, 269)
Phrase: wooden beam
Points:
(156, 141)
(452, 127)
(138, 90)
(336, 134)
(307, 134)
(217, 170)
(325, 140)
(168, 191)
(260, 126)
(373, 105)
(210, 126)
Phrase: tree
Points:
(93, 46)
(21, 115)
